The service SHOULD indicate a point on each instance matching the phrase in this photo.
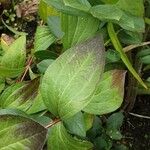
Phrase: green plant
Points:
(66, 89)
(58, 97)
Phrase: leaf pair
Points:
(72, 83)
(68, 87)
(122, 13)
(128, 14)
(19, 131)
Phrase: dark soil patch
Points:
(137, 130)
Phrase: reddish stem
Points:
(29, 62)
(53, 123)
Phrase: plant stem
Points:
(117, 45)
(29, 62)
(130, 47)
(140, 116)
(52, 123)
(143, 91)
(108, 41)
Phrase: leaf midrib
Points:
(73, 77)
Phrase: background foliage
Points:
(60, 86)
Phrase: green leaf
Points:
(46, 55)
(19, 132)
(78, 4)
(76, 124)
(37, 105)
(116, 43)
(106, 12)
(46, 10)
(43, 38)
(32, 75)
(59, 139)
(59, 5)
(103, 143)
(88, 119)
(71, 79)
(114, 122)
(43, 120)
(145, 59)
(22, 96)
(132, 23)
(109, 93)
(77, 29)
(13, 61)
(43, 65)
(11, 73)
(112, 56)
(54, 25)
(135, 7)
(96, 130)
(113, 13)
(144, 56)
(129, 38)
(144, 52)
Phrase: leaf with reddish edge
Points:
(70, 81)
(24, 96)
(19, 132)
(109, 93)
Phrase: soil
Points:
(136, 130)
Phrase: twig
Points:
(140, 116)
(29, 62)
(130, 47)
(53, 123)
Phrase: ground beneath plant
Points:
(136, 130)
